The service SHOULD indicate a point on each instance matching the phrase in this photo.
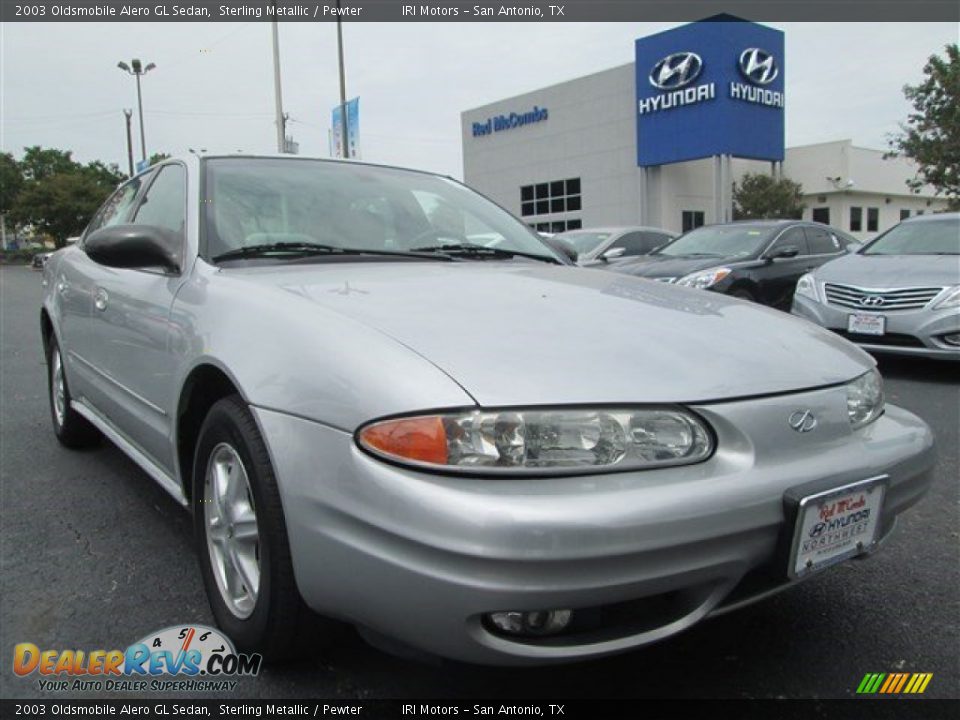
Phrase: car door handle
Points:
(100, 299)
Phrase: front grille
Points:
(848, 296)
(892, 339)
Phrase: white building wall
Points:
(591, 134)
(840, 176)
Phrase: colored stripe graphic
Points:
(894, 683)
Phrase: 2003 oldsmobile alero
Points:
(386, 401)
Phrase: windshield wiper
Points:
(482, 251)
(304, 249)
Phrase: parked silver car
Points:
(898, 294)
(605, 244)
(482, 452)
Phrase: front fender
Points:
(287, 354)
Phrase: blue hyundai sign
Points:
(710, 88)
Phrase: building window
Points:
(856, 219)
(904, 214)
(574, 224)
(873, 219)
(556, 196)
(821, 215)
(920, 212)
(692, 219)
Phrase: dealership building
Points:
(662, 140)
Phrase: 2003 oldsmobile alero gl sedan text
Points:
(386, 401)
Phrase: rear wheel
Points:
(242, 538)
(72, 429)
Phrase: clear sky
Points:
(213, 86)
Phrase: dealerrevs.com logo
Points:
(178, 658)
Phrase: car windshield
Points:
(288, 208)
(925, 237)
(719, 241)
(585, 242)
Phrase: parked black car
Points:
(759, 260)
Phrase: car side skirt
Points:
(165, 480)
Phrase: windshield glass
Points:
(585, 242)
(927, 237)
(720, 241)
(268, 201)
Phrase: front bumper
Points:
(908, 332)
(421, 558)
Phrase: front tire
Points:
(242, 538)
(72, 429)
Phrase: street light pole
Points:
(344, 148)
(277, 91)
(128, 115)
(136, 69)
(143, 140)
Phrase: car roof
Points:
(203, 155)
(772, 222)
(933, 217)
(612, 229)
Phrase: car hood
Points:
(661, 266)
(529, 333)
(891, 271)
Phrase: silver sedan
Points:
(479, 451)
(899, 294)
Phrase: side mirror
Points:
(787, 251)
(613, 254)
(135, 246)
(564, 247)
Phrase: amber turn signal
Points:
(422, 439)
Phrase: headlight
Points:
(542, 441)
(865, 399)
(807, 287)
(952, 299)
(705, 278)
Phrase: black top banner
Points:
(398, 11)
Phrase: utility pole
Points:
(277, 92)
(345, 148)
(128, 116)
(136, 69)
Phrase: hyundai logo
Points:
(871, 301)
(676, 71)
(758, 66)
(803, 421)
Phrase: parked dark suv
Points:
(759, 260)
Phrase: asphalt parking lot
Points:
(93, 554)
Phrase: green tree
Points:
(59, 195)
(60, 205)
(107, 175)
(759, 196)
(158, 157)
(931, 135)
(39, 163)
(11, 181)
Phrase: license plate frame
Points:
(810, 510)
(867, 324)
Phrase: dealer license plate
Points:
(835, 525)
(867, 324)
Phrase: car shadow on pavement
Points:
(919, 369)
